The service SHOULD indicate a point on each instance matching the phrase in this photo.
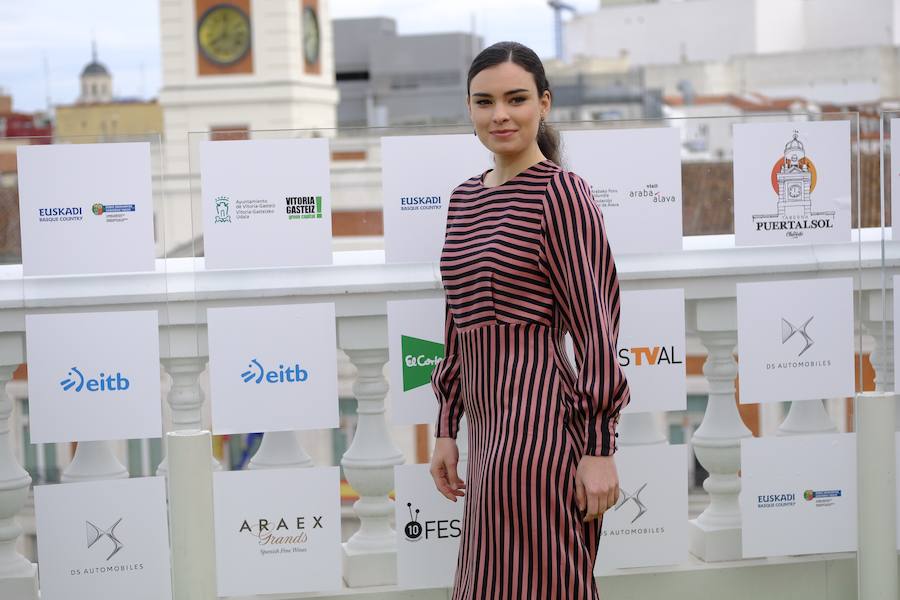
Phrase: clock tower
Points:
(241, 65)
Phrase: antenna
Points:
(558, 7)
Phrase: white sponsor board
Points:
(273, 368)
(428, 529)
(85, 208)
(798, 494)
(652, 349)
(895, 179)
(635, 179)
(648, 525)
(418, 175)
(415, 345)
(795, 340)
(791, 183)
(266, 203)
(93, 376)
(895, 298)
(103, 540)
(278, 531)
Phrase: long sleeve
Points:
(585, 285)
(445, 383)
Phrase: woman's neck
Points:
(507, 167)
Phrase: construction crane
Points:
(558, 8)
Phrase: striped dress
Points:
(522, 264)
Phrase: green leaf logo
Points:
(419, 359)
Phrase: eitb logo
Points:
(415, 531)
(303, 207)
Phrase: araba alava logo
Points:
(76, 381)
(256, 373)
(419, 359)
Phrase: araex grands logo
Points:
(794, 178)
(257, 373)
(303, 207)
(419, 359)
(282, 535)
(75, 381)
(441, 529)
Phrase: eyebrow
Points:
(486, 95)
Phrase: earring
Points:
(475, 133)
(542, 127)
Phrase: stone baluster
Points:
(882, 356)
(370, 555)
(185, 398)
(94, 461)
(715, 535)
(18, 576)
(807, 416)
(280, 449)
(639, 429)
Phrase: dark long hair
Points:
(514, 52)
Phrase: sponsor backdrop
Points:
(273, 368)
(798, 494)
(895, 178)
(415, 345)
(418, 175)
(652, 349)
(279, 217)
(795, 340)
(791, 183)
(103, 540)
(97, 197)
(637, 184)
(428, 529)
(278, 531)
(648, 525)
(93, 376)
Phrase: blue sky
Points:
(44, 44)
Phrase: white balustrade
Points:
(807, 416)
(715, 535)
(370, 555)
(94, 461)
(185, 397)
(878, 322)
(639, 429)
(280, 449)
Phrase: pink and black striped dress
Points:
(523, 263)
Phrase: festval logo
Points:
(223, 208)
(419, 359)
(442, 529)
(649, 356)
(95, 534)
(75, 381)
(794, 178)
(625, 498)
(257, 373)
(788, 330)
(303, 207)
(413, 529)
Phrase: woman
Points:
(525, 259)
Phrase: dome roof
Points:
(794, 144)
(95, 68)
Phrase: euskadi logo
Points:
(822, 497)
(95, 534)
(303, 207)
(420, 203)
(419, 359)
(441, 529)
(649, 356)
(776, 500)
(76, 381)
(793, 179)
(223, 210)
(55, 214)
(102, 209)
(257, 373)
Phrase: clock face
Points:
(223, 34)
(310, 35)
(794, 191)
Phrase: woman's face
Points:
(505, 108)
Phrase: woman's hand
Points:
(596, 485)
(443, 469)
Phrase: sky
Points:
(44, 44)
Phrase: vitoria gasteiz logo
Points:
(256, 373)
(76, 382)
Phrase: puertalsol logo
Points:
(76, 381)
(419, 359)
(649, 356)
(414, 530)
(95, 534)
(256, 373)
(303, 207)
(789, 330)
(625, 498)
